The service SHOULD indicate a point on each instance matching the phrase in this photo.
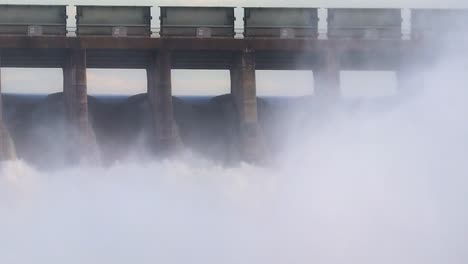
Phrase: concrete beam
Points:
(159, 78)
(196, 44)
(76, 108)
(111, 52)
(7, 149)
(327, 74)
(244, 93)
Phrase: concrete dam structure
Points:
(120, 37)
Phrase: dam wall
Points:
(201, 46)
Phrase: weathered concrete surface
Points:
(76, 107)
(327, 75)
(7, 149)
(409, 75)
(193, 43)
(159, 79)
(244, 91)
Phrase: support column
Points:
(235, 78)
(409, 77)
(76, 108)
(244, 93)
(7, 149)
(327, 74)
(160, 99)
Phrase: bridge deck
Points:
(220, 44)
(196, 53)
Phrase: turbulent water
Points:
(366, 186)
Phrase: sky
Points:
(212, 82)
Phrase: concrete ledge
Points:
(200, 44)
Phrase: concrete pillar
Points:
(409, 73)
(160, 98)
(327, 74)
(404, 76)
(7, 150)
(235, 78)
(244, 93)
(76, 108)
(1, 104)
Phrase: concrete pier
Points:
(244, 92)
(409, 73)
(76, 107)
(7, 149)
(325, 57)
(160, 98)
(327, 74)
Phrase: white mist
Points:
(368, 186)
